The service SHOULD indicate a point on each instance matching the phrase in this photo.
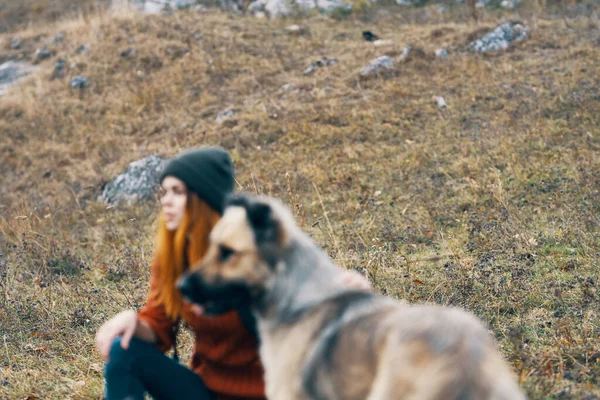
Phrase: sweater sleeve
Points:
(154, 314)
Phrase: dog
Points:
(322, 341)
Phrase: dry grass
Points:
(16, 15)
(490, 204)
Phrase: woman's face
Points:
(173, 201)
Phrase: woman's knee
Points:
(117, 354)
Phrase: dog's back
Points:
(376, 348)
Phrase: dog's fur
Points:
(323, 341)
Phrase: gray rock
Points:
(231, 5)
(79, 82)
(380, 66)
(288, 87)
(42, 54)
(11, 72)
(84, 48)
(151, 6)
(382, 42)
(59, 69)
(58, 38)
(138, 182)
(324, 62)
(441, 53)
(287, 8)
(184, 4)
(224, 115)
(128, 53)
(441, 102)
(15, 44)
(501, 38)
(404, 54)
(510, 4)
(198, 36)
(298, 30)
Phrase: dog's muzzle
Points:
(216, 298)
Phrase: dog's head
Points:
(245, 248)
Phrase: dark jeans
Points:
(142, 368)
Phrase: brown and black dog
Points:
(323, 341)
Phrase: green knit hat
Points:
(206, 171)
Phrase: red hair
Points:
(191, 239)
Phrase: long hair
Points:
(176, 250)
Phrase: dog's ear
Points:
(259, 215)
(263, 222)
(267, 231)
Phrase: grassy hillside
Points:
(16, 15)
(490, 204)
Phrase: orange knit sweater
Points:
(225, 352)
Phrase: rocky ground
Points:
(450, 162)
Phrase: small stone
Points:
(441, 53)
(15, 44)
(224, 115)
(128, 53)
(58, 38)
(84, 48)
(79, 82)
(441, 102)
(298, 30)
(288, 87)
(382, 42)
(59, 69)
(510, 4)
(380, 66)
(324, 62)
(42, 54)
(197, 36)
(404, 54)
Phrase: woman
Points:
(225, 363)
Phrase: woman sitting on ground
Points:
(225, 363)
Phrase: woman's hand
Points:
(354, 280)
(123, 324)
(196, 309)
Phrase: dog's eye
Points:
(224, 253)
